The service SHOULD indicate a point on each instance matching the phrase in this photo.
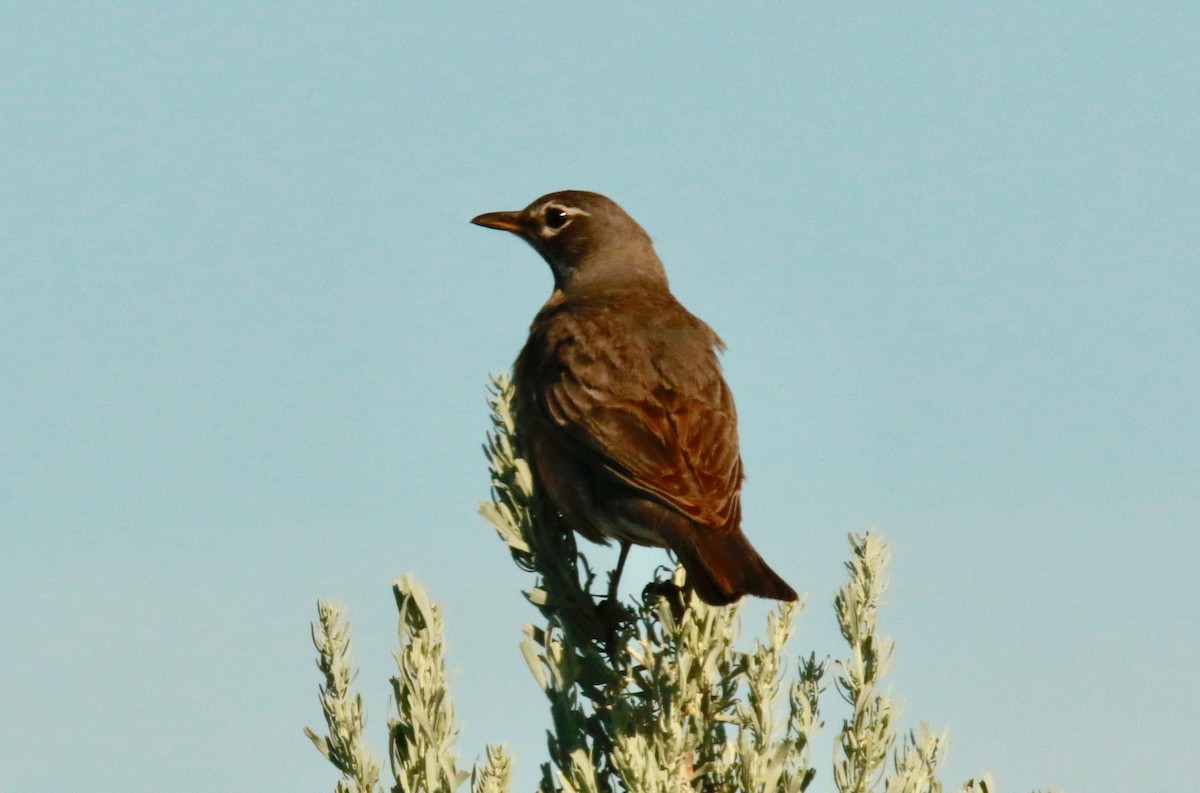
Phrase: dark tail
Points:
(723, 566)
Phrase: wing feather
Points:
(654, 413)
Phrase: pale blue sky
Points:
(245, 329)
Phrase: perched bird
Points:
(624, 416)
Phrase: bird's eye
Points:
(556, 218)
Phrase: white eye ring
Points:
(556, 217)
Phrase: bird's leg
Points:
(614, 577)
(610, 609)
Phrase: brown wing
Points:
(648, 404)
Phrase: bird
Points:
(622, 409)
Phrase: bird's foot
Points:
(614, 616)
(677, 596)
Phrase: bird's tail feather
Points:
(723, 566)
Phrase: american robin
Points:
(624, 415)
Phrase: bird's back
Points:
(631, 381)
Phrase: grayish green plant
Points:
(867, 736)
(653, 696)
(423, 731)
(648, 695)
(343, 746)
(495, 775)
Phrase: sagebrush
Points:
(648, 695)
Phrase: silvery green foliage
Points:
(917, 761)
(644, 696)
(495, 775)
(867, 736)
(344, 716)
(648, 696)
(423, 732)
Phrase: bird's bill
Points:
(505, 221)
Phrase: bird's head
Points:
(587, 239)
